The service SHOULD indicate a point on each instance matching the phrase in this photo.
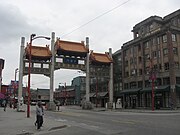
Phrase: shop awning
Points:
(101, 94)
(130, 91)
(178, 87)
(91, 94)
(157, 88)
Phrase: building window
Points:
(151, 27)
(174, 22)
(136, 34)
(139, 47)
(158, 40)
(119, 58)
(176, 64)
(154, 54)
(133, 85)
(126, 63)
(147, 56)
(160, 67)
(164, 37)
(158, 82)
(155, 67)
(147, 83)
(147, 70)
(178, 80)
(135, 60)
(133, 72)
(125, 52)
(126, 74)
(131, 60)
(140, 71)
(166, 66)
(165, 51)
(154, 41)
(173, 37)
(140, 59)
(146, 44)
(140, 84)
(126, 86)
(166, 81)
(131, 50)
(159, 54)
(175, 50)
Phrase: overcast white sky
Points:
(20, 18)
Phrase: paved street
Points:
(132, 122)
(74, 121)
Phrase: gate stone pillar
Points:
(87, 104)
(110, 104)
(51, 105)
(87, 71)
(19, 106)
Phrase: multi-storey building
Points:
(100, 78)
(151, 63)
(65, 95)
(79, 84)
(117, 74)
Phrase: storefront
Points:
(161, 97)
(178, 95)
(131, 98)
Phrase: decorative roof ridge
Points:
(38, 52)
(65, 45)
(41, 47)
(82, 42)
(93, 54)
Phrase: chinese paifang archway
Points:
(67, 55)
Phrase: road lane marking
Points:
(70, 114)
(124, 122)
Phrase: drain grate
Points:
(56, 128)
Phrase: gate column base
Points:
(51, 106)
(87, 105)
(110, 105)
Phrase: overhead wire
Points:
(83, 25)
(74, 74)
(97, 17)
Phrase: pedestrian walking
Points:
(39, 115)
(4, 104)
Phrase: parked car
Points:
(33, 103)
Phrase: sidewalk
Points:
(17, 123)
(147, 111)
(126, 110)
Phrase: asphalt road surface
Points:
(84, 122)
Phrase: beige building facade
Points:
(151, 61)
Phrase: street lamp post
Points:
(32, 37)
